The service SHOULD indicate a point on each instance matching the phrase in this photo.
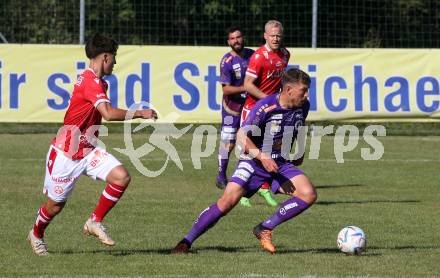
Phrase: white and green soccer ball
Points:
(352, 240)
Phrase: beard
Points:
(237, 47)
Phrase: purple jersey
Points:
(279, 126)
(232, 72)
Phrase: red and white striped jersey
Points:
(267, 67)
(79, 133)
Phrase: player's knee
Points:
(119, 176)
(308, 194)
(124, 179)
(311, 195)
(54, 208)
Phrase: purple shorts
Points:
(251, 175)
(230, 126)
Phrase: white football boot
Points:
(97, 229)
(38, 245)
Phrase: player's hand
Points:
(268, 163)
(147, 114)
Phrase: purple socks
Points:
(289, 209)
(222, 167)
(206, 220)
(211, 215)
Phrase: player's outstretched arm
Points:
(250, 87)
(110, 113)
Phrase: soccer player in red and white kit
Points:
(73, 151)
(263, 77)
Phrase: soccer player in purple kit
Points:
(271, 120)
(233, 67)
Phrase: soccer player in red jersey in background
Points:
(73, 151)
(263, 77)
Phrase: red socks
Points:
(107, 201)
(43, 220)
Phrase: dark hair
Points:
(99, 44)
(295, 75)
(232, 29)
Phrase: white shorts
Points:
(63, 172)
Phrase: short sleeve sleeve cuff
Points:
(100, 101)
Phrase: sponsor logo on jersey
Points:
(237, 70)
(261, 109)
(277, 117)
(79, 81)
(274, 73)
(270, 108)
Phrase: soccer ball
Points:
(352, 240)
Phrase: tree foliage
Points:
(341, 23)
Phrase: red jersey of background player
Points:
(79, 134)
(267, 67)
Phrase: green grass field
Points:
(395, 200)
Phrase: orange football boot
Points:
(265, 238)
